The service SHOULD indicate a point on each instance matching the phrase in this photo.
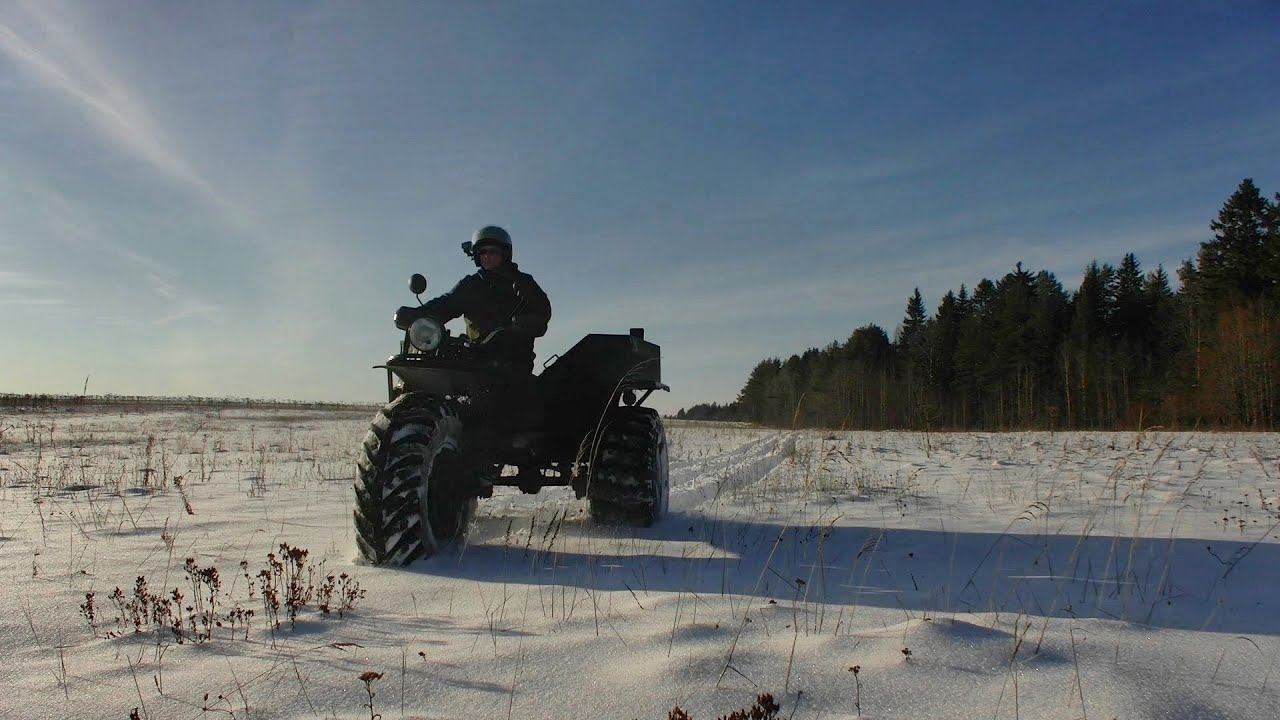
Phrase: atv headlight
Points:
(425, 334)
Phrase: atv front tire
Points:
(409, 485)
(629, 482)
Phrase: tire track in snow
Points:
(702, 482)
(693, 482)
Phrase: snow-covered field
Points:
(1034, 575)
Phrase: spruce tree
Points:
(944, 338)
(1271, 253)
(1123, 349)
(1232, 266)
(912, 348)
(1165, 340)
(913, 322)
(754, 399)
(1131, 313)
(1089, 374)
(1050, 316)
(868, 355)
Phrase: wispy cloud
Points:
(55, 48)
(180, 306)
(19, 289)
(185, 310)
(32, 302)
(66, 62)
(72, 229)
(235, 169)
(14, 280)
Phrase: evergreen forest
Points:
(1124, 350)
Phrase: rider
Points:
(505, 309)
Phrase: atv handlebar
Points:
(405, 316)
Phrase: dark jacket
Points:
(503, 298)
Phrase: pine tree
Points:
(1271, 254)
(1009, 376)
(1231, 291)
(868, 357)
(754, 397)
(913, 322)
(944, 339)
(1129, 330)
(1131, 313)
(1050, 318)
(1124, 349)
(973, 352)
(1165, 341)
(1232, 266)
(964, 304)
(1087, 361)
(913, 348)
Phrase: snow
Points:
(1037, 575)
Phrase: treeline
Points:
(1125, 350)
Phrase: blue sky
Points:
(228, 198)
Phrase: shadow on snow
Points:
(1181, 583)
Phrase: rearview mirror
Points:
(417, 284)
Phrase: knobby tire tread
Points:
(629, 483)
(388, 515)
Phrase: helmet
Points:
(492, 236)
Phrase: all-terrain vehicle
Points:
(436, 447)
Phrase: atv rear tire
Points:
(409, 485)
(629, 483)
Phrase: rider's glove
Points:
(406, 315)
